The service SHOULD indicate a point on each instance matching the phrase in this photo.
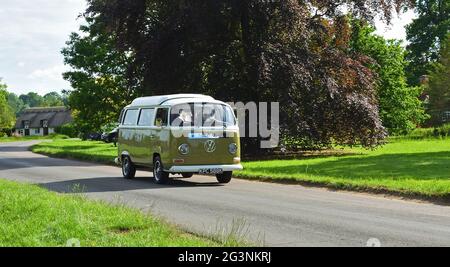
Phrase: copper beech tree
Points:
(288, 51)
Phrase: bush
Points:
(444, 130)
(68, 129)
(5, 132)
(426, 133)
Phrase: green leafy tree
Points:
(425, 36)
(98, 79)
(292, 52)
(400, 108)
(32, 100)
(15, 103)
(438, 86)
(7, 117)
(53, 99)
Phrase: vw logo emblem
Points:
(210, 146)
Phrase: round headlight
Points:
(184, 149)
(233, 148)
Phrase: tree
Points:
(32, 100)
(7, 118)
(439, 85)
(15, 103)
(292, 52)
(400, 108)
(53, 99)
(425, 35)
(98, 79)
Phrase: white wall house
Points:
(42, 121)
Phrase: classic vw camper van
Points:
(179, 134)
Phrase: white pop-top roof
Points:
(160, 100)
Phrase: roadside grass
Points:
(414, 168)
(33, 216)
(30, 138)
(94, 151)
(405, 167)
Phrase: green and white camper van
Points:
(183, 134)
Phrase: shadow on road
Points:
(118, 184)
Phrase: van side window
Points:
(121, 115)
(146, 117)
(131, 117)
(162, 117)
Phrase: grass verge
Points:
(92, 151)
(409, 168)
(419, 168)
(33, 216)
(30, 138)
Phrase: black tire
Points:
(159, 175)
(225, 177)
(128, 168)
(187, 175)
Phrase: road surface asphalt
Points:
(268, 214)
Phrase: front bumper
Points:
(197, 168)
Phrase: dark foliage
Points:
(292, 52)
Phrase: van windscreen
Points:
(202, 115)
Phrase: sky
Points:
(396, 30)
(33, 32)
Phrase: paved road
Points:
(277, 215)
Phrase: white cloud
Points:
(32, 34)
(396, 30)
(51, 73)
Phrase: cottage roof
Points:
(55, 116)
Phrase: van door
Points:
(145, 136)
(127, 134)
(161, 135)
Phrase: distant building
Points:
(42, 121)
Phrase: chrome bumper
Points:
(197, 168)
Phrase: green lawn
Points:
(404, 166)
(407, 167)
(77, 149)
(33, 216)
(29, 138)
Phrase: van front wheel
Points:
(225, 177)
(128, 169)
(160, 176)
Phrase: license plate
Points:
(211, 171)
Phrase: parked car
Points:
(162, 133)
(110, 137)
(93, 136)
